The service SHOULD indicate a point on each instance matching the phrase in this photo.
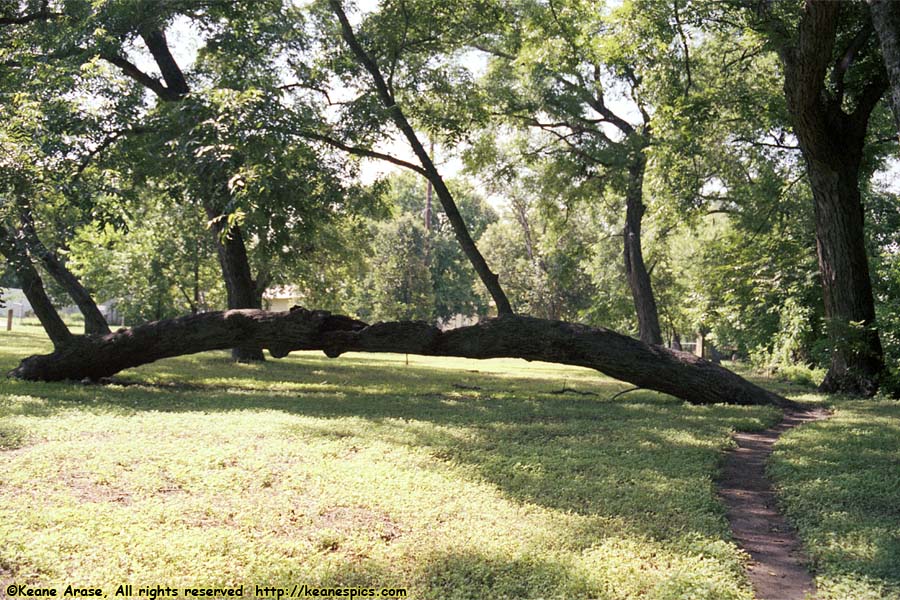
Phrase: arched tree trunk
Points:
(653, 367)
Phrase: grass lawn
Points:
(452, 478)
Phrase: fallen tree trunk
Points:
(652, 367)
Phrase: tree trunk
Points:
(832, 143)
(635, 269)
(469, 248)
(856, 358)
(653, 367)
(12, 247)
(886, 19)
(239, 285)
(94, 321)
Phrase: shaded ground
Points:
(455, 479)
(778, 566)
(458, 479)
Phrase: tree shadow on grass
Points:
(450, 575)
(528, 439)
(646, 461)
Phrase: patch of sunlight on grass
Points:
(839, 483)
(454, 478)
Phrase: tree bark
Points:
(231, 250)
(832, 143)
(94, 321)
(635, 269)
(12, 247)
(886, 19)
(653, 367)
(856, 359)
(240, 287)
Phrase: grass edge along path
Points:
(838, 483)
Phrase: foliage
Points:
(234, 153)
(759, 294)
(452, 276)
(883, 220)
(541, 263)
(400, 280)
(159, 265)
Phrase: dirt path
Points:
(777, 566)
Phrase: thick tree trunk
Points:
(856, 358)
(12, 247)
(94, 321)
(886, 19)
(635, 269)
(653, 367)
(239, 284)
(832, 143)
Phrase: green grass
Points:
(453, 478)
(840, 484)
(838, 481)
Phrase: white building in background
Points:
(14, 299)
(281, 298)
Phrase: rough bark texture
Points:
(239, 284)
(832, 143)
(635, 269)
(857, 353)
(886, 19)
(652, 367)
(12, 247)
(488, 277)
(94, 321)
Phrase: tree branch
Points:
(131, 70)
(849, 55)
(43, 15)
(106, 143)
(488, 278)
(171, 72)
(684, 45)
(869, 98)
(358, 151)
